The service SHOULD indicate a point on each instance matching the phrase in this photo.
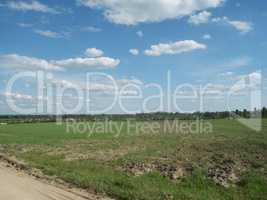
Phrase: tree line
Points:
(257, 113)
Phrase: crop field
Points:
(230, 162)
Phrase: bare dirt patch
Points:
(172, 171)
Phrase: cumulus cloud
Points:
(174, 48)
(134, 52)
(129, 12)
(207, 37)
(48, 33)
(18, 62)
(94, 63)
(94, 52)
(17, 96)
(241, 26)
(200, 18)
(91, 29)
(31, 6)
(21, 96)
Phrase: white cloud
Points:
(24, 25)
(49, 34)
(93, 52)
(241, 26)
(130, 12)
(174, 48)
(200, 18)
(134, 52)
(17, 96)
(31, 6)
(91, 29)
(21, 96)
(98, 86)
(94, 63)
(140, 33)
(207, 37)
(18, 62)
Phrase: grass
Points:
(101, 162)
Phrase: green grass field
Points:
(229, 163)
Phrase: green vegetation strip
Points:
(134, 166)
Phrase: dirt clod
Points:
(173, 172)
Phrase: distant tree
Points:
(237, 112)
(264, 112)
(245, 113)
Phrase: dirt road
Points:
(15, 185)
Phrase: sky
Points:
(142, 56)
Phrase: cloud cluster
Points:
(130, 12)
(18, 96)
(31, 6)
(93, 52)
(18, 62)
(48, 33)
(134, 52)
(93, 63)
(200, 18)
(174, 48)
(204, 17)
(242, 26)
(99, 86)
(21, 96)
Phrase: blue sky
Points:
(204, 42)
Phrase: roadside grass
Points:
(105, 180)
(100, 162)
